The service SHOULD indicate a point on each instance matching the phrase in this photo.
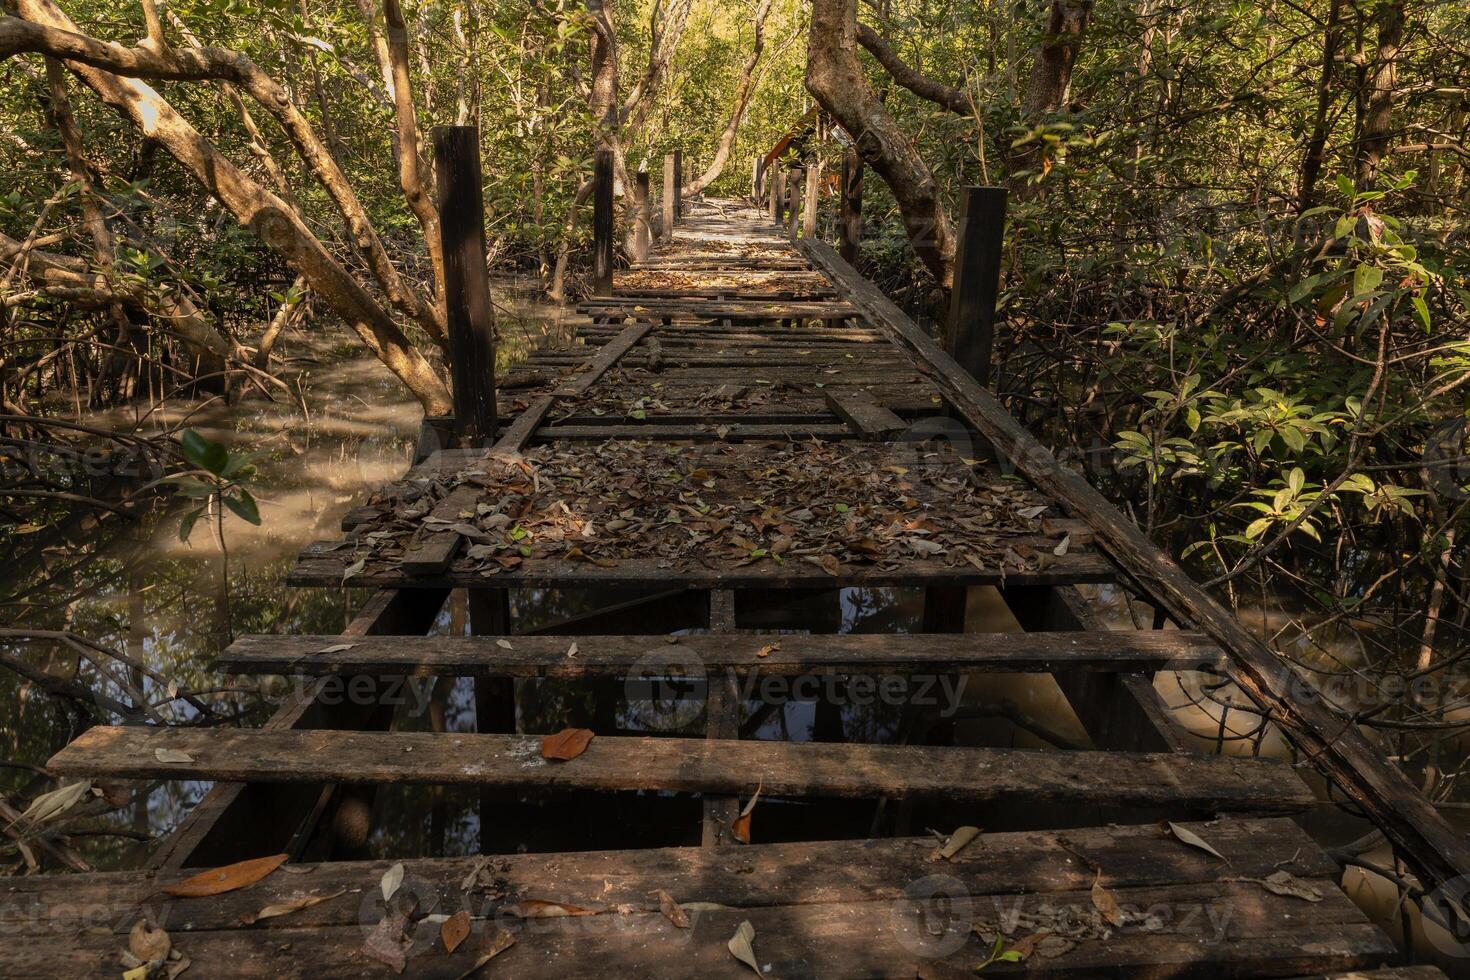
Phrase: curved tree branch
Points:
(949, 97)
(737, 111)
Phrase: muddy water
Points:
(172, 605)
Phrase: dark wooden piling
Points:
(602, 223)
(678, 185)
(470, 314)
(793, 201)
(643, 217)
(669, 193)
(976, 279)
(852, 205)
(775, 193)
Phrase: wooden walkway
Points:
(737, 432)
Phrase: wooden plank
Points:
(721, 721)
(1434, 849)
(238, 820)
(1038, 862)
(1208, 783)
(605, 358)
(614, 655)
(860, 410)
(321, 564)
(436, 551)
(731, 431)
(518, 436)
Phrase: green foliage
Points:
(218, 479)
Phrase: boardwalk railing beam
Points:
(852, 206)
(602, 223)
(971, 331)
(470, 314)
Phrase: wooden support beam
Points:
(852, 205)
(1433, 849)
(235, 821)
(776, 193)
(793, 201)
(860, 410)
(809, 205)
(668, 190)
(721, 721)
(602, 223)
(469, 312)
(678, 185)
(1198, 783)
(971, 331)
(1120, 711)
(643, 217)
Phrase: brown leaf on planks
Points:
(740, 826)
(455, 930)
(217, 881)
(741, 946)
(958, 841)
(1105, 903)
(496, 943)
(566, 744)
(148, 942)
(768, 649)
(1288, 884)
(1186, 836)
(387, 944)
(540, 908)
(671, 909)
(289, 906)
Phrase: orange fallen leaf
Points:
(671, 909)
(566, 744)
(232, 876)
(455, 930)
(768, 649)
(540, 908)
(741, 825)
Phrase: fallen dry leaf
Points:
(740, 827)
(496, 943)
(1105, 903)
(387, 944)
(147, 942)
(740, 946)
(390, 881)
(957, 842)
(1288, 884)
(671, 909)
(172, 755)
(768, 649)
(455, 930)
(540, 908)
(220, 880)
(566, 744)
(1187, 836)
(292, 905)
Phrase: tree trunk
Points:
(948, 97)
(1051, 73)
(835, 77)
(1317, 142)
(1375, 106)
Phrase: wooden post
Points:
(809, 206)
(678, 185)
(793, 201)
(852, 205)
(755, 180)
(471, 317)
(775, 192)
(643, 218)
(976, 279)
(602, 223)
(668, 190)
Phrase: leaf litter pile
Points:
(835, 506)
